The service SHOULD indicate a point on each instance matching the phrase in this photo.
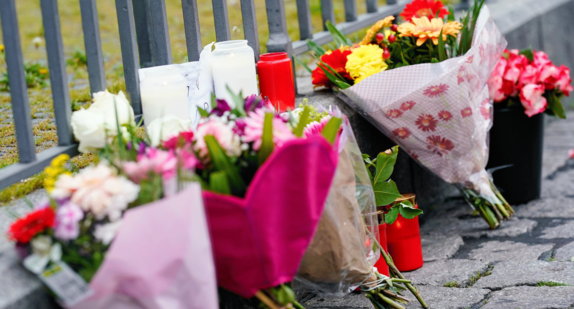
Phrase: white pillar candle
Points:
(233, 65)
(163, 92)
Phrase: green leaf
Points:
(385, 165)
(267, 144)
(219, 183)
(304, 120)
(202, 112)
(238, 100)
(555, 105)
(450, 13)
(392, 215)
(302, 64)
(386, 192)
(331, 129)
(213, 101)
(441, 52)
(337, 36)
(314, 47)
(221, 162)
(528, 53)
(332, 70)
(407, 210)
(338, 82)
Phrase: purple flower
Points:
(252, 103)
(221, 108)
(239, 127)
(68, 217)
(142, 148)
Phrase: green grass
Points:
(451, 284)
(551, 283)
(475, 278)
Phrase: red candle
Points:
(381, 265)
(276, 80)
(404, 240)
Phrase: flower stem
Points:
(266, 300)
(391, 302)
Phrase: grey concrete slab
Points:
(565, 253)
(565, 230)
(558, 207)
(514, 273)
(531, 297)
(353, 300)
(476, 227)
(448, 298)
(438, 273)
(440, 246)
(498, 251)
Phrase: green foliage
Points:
(78, 59)
(219, 183)
(451, 284)
(551, 283)
(331, 129)
(267, 144)
(338, 38)
(554, 105)
(304, 120)
(468, 27)
(36, 76)
(221, 162)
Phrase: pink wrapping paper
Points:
(258, 241)
(160, 258)
(439, 113)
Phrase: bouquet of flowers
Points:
(424, 84)
(530, 78)
(106, 224)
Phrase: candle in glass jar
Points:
(233, 66)
(163, 92)
(276, 80)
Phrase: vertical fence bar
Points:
(58, 75)
(191, 25)
(144, 33)
(327, 12)
(304, 16)
(18, 86)
(279, 40)
(351, 10)
(130, 57)
(372, 6)
(250, 25)
(93, 45)
(160, 32)
(221, 19)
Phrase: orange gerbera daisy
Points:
(420, 8)
(424, 29)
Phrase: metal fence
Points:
(144, 38)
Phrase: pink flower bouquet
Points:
(528, 77)
(440, 112)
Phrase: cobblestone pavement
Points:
(500, 268)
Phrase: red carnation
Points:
(420, 8)
(337, 60)
(31, 225)
(426, 123)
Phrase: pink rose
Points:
(532, 99)
(529, 76)
(548, 76)
(564, 81)
(495, 82)
(541, 59)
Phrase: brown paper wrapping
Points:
(337, 254)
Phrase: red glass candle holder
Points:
(381, 264)
(276, 80)
(404, 241)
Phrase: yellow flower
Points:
(1, 47)
(365, 61)
(54, 170)
(423, 29)
(386, 22)
(43, 71)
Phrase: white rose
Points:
(162, 129)
(107, 232)
(92, 125)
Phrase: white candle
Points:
(163, 92)
(233, 65)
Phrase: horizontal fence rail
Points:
(144, 41)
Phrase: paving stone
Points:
(440, 246)
(498, 251)
(438, 273)
(513, 273)
(447, 298)
(565, 253)
(18, 287)
(562, 231)
(477, 227)
(353, 300)
(561, 184)
(18, 208)
(560, 207)
(531, 297)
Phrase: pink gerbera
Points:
(439, 145)
(435, 91)
(394, 113)
(445, 115)
(402, 133)
(408, 105)
(466, 112)
(315, 127)
(426, 123)
(254, 129)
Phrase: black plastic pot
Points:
(517, 140)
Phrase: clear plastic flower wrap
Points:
(440, 113)
(341, 255)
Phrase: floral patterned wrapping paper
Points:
(440, 113)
